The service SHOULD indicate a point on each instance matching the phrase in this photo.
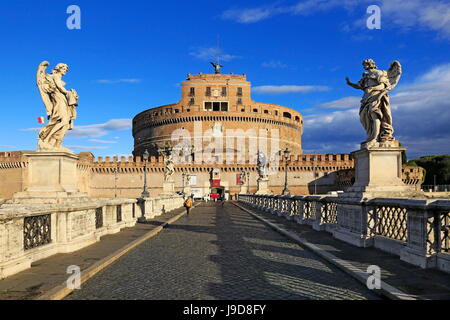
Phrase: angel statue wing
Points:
(394, 73)
(45, 85)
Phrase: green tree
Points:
(438, 166)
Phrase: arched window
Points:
(287, 115)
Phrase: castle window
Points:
(287, 115)
(239, 101)
(192, 92)
(224, 91)
(255, 110)
(266, 111)
(276, 112)
(176, 110)
(297, 118)
(208, 91)
(191, 101)
(216, 106)
(242, 110)
(239, 92)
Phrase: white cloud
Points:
(250, 15)
(211, 54)
(421, 116)
(95, 130)
(427, 14)
(108, 81)
(102, 141)
(344, 103)
(274, 64)
(86, 148)
(8, 147)
(438, 73)
(288, 89)
(99, 130)
(431, 15)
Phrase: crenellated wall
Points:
(114, 177)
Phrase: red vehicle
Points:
(214, 196)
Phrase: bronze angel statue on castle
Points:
(60, 106)
(375, 112)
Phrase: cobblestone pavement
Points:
(50, 272)
(221, 253)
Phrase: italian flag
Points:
(40, 119)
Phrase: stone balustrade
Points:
(159, 205)
(418, 231)
(29, 233)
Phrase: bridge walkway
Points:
(221, 253)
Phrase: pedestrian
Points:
(188, 205)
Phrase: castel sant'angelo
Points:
(211, 106)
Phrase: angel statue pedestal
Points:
(378, 173)
(263, 186)
(51, 178)
(168, 188)
(187, 190)
(244, 189)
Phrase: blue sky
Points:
(131, 56)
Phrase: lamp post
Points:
(286, 153)
(145, 193)
(184, 178)
(315, 173)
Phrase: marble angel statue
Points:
(262, 165)
(60, 106)
(243, 177)
(375, 112)
(169, 167)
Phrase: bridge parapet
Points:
(34, 232)
(418, 231)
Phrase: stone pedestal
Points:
(187, 190)
(51, 178)
(263, 186)
(378, 174)
(168, 188)
(244, 189)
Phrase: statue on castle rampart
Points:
(60, 106)
(217, 67)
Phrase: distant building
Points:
(220, 102)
